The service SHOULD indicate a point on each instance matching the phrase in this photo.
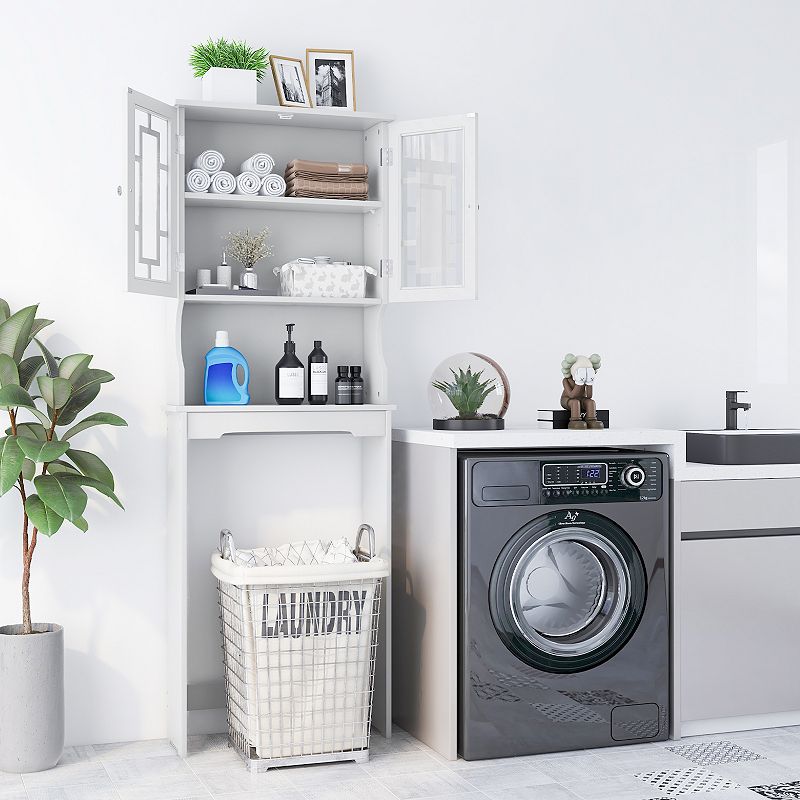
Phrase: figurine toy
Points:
(576, 397)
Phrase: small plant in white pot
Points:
(42, 396)
(229, 70)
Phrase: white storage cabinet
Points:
(329, 469)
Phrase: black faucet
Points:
(732, 406)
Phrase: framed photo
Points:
(331, 78)
(290, 81)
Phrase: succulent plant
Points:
(467, 392)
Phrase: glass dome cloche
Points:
(468, 392)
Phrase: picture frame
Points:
(331, 78)
(291, 83)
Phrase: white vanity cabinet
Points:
(328, 470)
(740, 604)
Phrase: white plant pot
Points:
(222, 85)
(31, 698)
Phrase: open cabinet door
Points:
(432, 209)
(152, 196)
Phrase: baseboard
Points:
(209, 720)
(753, 722)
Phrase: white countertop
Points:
(540, 437)
(673, 442)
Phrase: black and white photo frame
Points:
(290, 81)
(331, 78)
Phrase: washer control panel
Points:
(604, 481)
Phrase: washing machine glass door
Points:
(565, 597)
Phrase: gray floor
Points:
(722, 767)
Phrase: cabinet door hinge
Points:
(181, 262)
(387, 157)
(387, 267)
(181, 144)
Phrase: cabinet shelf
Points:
(330, 118)
(307, 204)
(214, 422)
(276, 300)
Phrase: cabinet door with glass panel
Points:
(432, 209)
(153, 167)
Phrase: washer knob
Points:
(633, 476)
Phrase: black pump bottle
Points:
(289, 374)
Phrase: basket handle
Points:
(226, 546)
(360, 554)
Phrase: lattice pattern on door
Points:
(151, 191)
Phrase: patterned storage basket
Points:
(305, 278)
(300, 634)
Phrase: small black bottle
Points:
(356, 386)
(289, 377)
(317, 375)
(344, 394)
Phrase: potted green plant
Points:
(473, 385)
(43, 397)
(229, 70)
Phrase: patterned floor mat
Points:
(707, 753)
(684, 781)
(779, 791)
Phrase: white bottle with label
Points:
(290, 376)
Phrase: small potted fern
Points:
(228, 70)
(473, 385)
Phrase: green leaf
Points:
(92, 466)
(66, 498)
(9, 374)
(42, 516)
(100, 418)
(42, 452)
(15, 332)
(59, 467)
(41, 416)
(81, 524)
(55, 391)
(34, 429)
(5, 311)
(84, 480)
(39, 325)
(85, 390)
(11, 459)
(72, 367)
(12, 396)
(28, 368)
(49, 358)
(28, 469)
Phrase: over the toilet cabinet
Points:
(329, 469)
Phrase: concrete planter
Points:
(31, 698)
(222, 85)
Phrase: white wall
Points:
(617, 161)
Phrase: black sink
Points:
(743, 447)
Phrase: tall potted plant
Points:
(42, 396)
(229, 70)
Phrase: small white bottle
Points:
(224, 273)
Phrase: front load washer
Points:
(563, 601)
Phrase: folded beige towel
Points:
(327, 188)
(327, 168)
(315, 176)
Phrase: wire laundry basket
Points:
(299, 647)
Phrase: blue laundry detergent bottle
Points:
(222, 385)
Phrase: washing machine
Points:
(563, 602)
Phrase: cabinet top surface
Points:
(330, 118)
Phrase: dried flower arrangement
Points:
(248, 248)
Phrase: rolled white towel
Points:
(247, 183)
(260, 163)
(222, 183)
(210, 160)
(197, 180)
(273, 186)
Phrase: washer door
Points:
(567, 591)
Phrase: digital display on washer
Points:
(572, 474)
